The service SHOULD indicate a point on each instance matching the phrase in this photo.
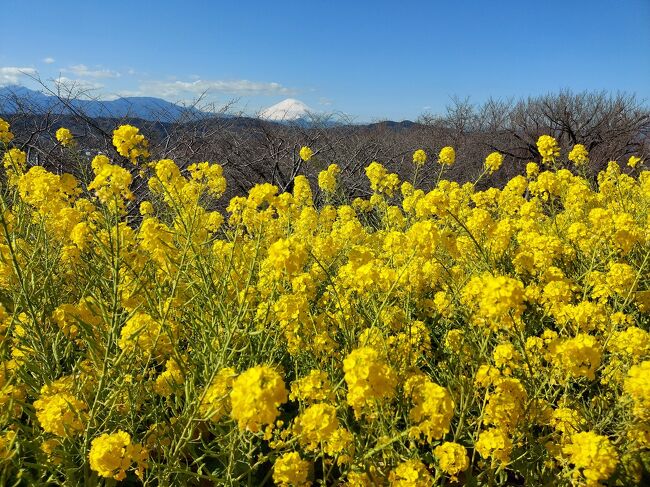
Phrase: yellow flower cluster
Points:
(291, 471)
(493, 161)
(579, 155)
(634, 161)
(5, 133)
(15, 160)
(368, 377)
(327, 179)
(381, 180)
(495, 445)
(60, 414)
(255, 397)
(593, 455)
(498, 301)
(65, 137)
(315, 386)
(170, 380)
(208, 176)
(316, 425)
(452, 334)
(452, 458)
(130, 143)
(548, 148)
(7, 443)
(432, 411)
(637, 385)
(411, 473)
(306, 153)
(111, 455)
(447, 156)
(506, 405)
(112, 182)
(48, 193)
(215, 402)
(147, 337)
(419, 157)
(578, 357)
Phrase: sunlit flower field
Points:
(449, 337)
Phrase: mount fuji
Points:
(289, 110)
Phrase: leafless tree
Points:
(251, 150)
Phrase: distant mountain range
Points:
(15, 99)
(147, 108)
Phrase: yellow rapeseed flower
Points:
(411, 473)
(637, 385)
(306, 153)
(368, 377)
(327, 179)
(432, 411)
(493, 161)
(255, 397)
(548, 148)
(633, 161)
(316, 425)
(64, 136)
(419, 157)
(291, 471)
(111, 455)
(579, 155)
(15, 159)
(5, 134)
(61, 414)
(130, 143)
(447, 156)
(452, 458)
(593, 454)
(494, 443)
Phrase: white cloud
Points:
(180, 89)
(11, 75)
(96, 81)
(49, 60)
(122, 94)
(78, 88)
(84, 71)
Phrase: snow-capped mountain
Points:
(286, 111)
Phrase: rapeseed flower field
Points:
(412, 338)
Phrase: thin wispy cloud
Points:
(102, 81)
(78, 87)
(123, 93)
(181, 89)
(83, 71)
(49, 60)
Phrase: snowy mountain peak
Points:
(286, 110)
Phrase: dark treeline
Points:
(611, 126)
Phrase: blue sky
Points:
(370, 59)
